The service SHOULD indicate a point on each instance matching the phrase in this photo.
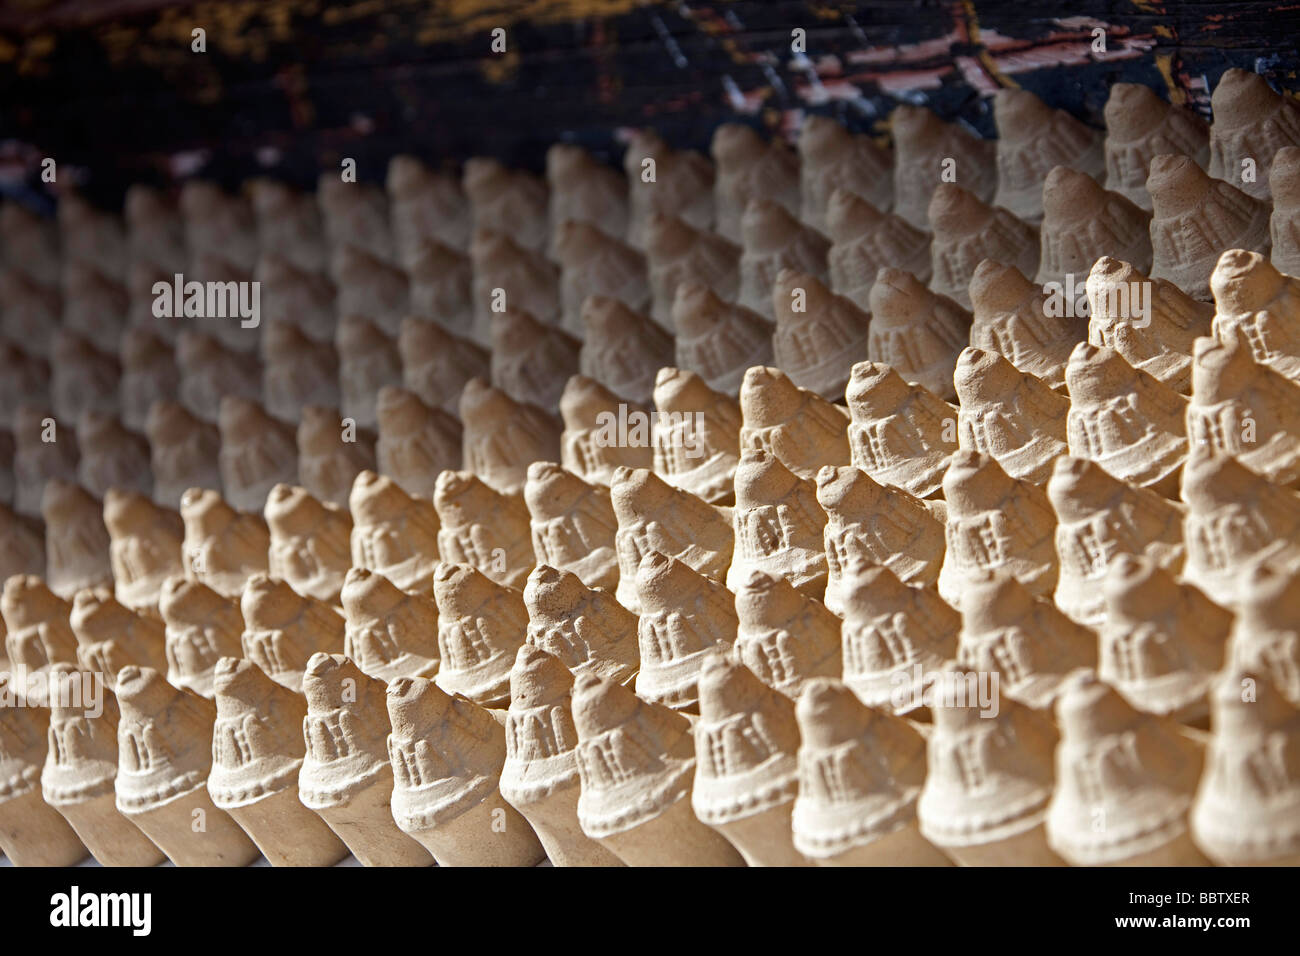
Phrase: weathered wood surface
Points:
(289, 87)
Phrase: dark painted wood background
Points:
(112, 90)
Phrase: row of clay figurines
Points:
(1022, 360)
(584, 772)
(788, 295)
(1159, 641)
(1052, 218)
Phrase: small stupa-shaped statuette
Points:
(1098, 518)
(1124, 782)
(636, 761)
(393, 533)
(481, 625)
(201, 627)
(747, 778)
(584, 627)
(572, 525)
(995, 523)
(900, 434)
(310, 542)
(257, 754)
(860, 775)
(447, 754)
(164, 743)
(283, 629)
(797, 425)
(388, 633)
(346, 776)
(483, 527)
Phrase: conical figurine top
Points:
(1098, 518)
(585, 628)
(1162, 641)
(1125, 782)
(1247, 809)
(223, 547)
(1266, 630)
(1284, 181)
(989, 779)
(511, 201)
(436, 364)
(797, 425)
(901, 434)
(1196, 218)
(683, 616)
(388, 633)
(774, 240)
(1251, 123)
(310, 542)
(572, 525)
(37, 635)
(864, 240)
(484, 528)
(1082, 221)
(283, 629)
(481, 625)
(718, 339)
(111, 636)
(531, 360)
(1023, 637)
(1033, 138)
(112, 456)
(1255, 300)
(503, 437)
(968, 231)
(202, 627)
(860, 775)
(1234, 518)
(918, 333)
(817, 332)
(1009, 414)
(831, 156)
(1139, 126)
(677, 253)
(1241, 408)
(602, 432)
(747, 776)
(77, 544)
(995, 523)
(392, 533)
(784, 637)
(1034, 330)
(1124, 419)
(653, 516)
(868, 523)
(696, 435)
(895, 637)
(331, 453)
(257, 452)
(779, 525)
(666, 181)
(1151, 322)
(748, 168)
(596, 264)
(623, 349)
(927, 149)
(415, 441)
